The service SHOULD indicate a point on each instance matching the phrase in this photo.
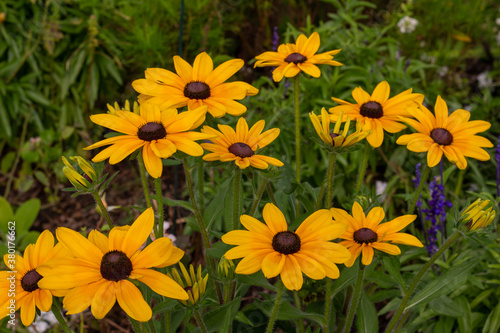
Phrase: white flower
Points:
(498, 38)
(407, 24)
(443, 71)
(484, 80)
(497, 21)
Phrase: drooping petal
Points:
(132, 301)
(104, 299)
(291, 275)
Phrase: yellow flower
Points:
(195, 86)
(273, 249)
(377, 112)
(74, 176)
(98, 273)
(291, 59)
(159, 133)
(240, 146)
(452, 135)
(116, 107)
(192, 282)
(25, 276)
(365, 233)
(476, 216)
(336, 138)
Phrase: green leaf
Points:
(443, 284)
(392, 265)
(218, 250)
(213, 210)
(256, 279)
(6, 214)
(492, 324)
(165, 306)
(346, 278)
(220, 318)
(465, 321)
(26, 214)
(446, 306)
(366, 320)
(240, 316)
(7, 161)
(42, 178)
(27, 238)
(288, 312)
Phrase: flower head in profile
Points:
(99, 272)
(159, 133)
(79, 181)
(241, 145)
(336, 138)
(377, 112)
(291, 59)
(25, 276)
(365, 233)
(194, 283)
(196, 86)
(477, 216)
(452, 135)
(272, 248)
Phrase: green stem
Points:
(56, 310)
(203, 229)
(151, 325)
(362, 169)
(201, 187)
(104, 211)
(320, 195)
(297, 135)
(276, 307)
(142, 171)
(236, 198)
(454, 237)
(159, 202)
(228, 288)
(423, 180)
(199, 320)
(256, 201)
(330, 178)
(353, 302)
(298, 304)
(328, 303)
(271, 194)
(460, 181)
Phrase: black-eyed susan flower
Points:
(194, 283)
(336, 138)
(19, 288)
(377, 112)
(452, 135)
(291, 58)
(159, 133)
(272, 248)
(477, 216)
(101, 268)
(79, 181)
(241, 145)
(195, 86)
(365, 233)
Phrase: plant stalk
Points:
(353, 302)
(330, 178)
(103, 209)
(453, 238)
(276, 307)
(256, 201)
(236, 198)
(199, 320)
(423, 180)
(144, 180)
(297, 136)
(56, 310)
(159, 202)
(362, 169)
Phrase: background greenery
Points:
(63, 60)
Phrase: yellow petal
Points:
(387, 248)
(162, 284)
(138, 232)
(202, 67)
(80, 298)
(274, 218)
(104, 299)
(154, 254)
(381, 92)
(367, 255)
(153, 163)
(273, 264)
(291, 275)
(132, 301)
(78, 245)
(28, 311)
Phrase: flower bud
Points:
(476, 216)
(225, 268)
(193, 283)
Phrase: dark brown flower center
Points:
(286, 242)
(197, 90)
(371, 110)
(241, 149)
(296, 58)
(365, 235)
(29, 282)
(441, 136)
(115, 266)
(152, 131)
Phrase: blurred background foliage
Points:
(63, 60)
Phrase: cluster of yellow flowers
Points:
(96, 271)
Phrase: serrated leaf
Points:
(442, 285)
